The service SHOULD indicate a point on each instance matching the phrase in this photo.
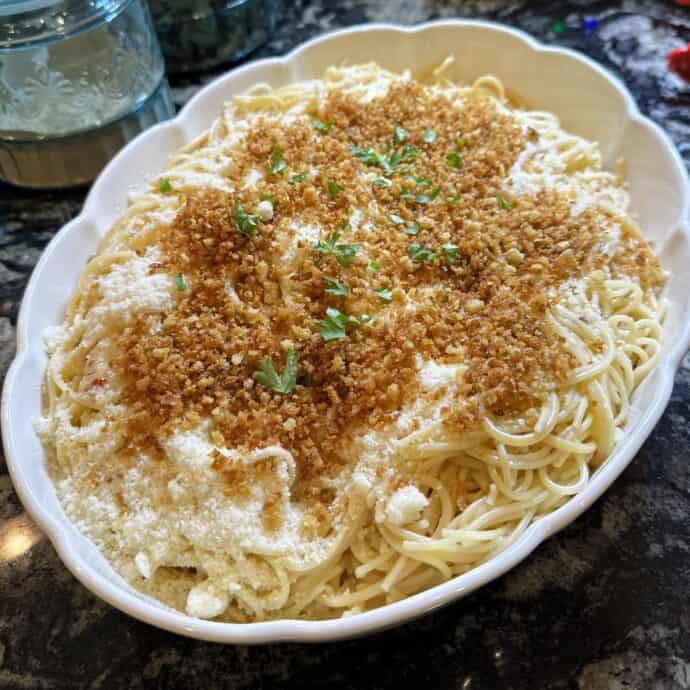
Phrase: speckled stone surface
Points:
(604, 605)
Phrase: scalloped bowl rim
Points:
(57, 526)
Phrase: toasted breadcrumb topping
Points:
(441, 263)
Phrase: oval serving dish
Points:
(590, 102)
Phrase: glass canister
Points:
(78, 80)
(196, 35)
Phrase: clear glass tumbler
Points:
(78, 80)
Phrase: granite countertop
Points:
(603, 605)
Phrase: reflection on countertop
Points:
(17, 536)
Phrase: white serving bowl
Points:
(589, 101)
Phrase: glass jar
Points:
(78, 80)
(197, 35)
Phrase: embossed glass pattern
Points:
(91, 68)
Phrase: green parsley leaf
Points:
(409, 153)
(385, 163)
(343, 253)
(400, 134)
(384, 294)
(396, 219)
(366, 156)
(388, 163)
(334, 188)
(246, 223)
(322, 127)
(429, 136)
(451, 252)
(298, 178)
(164, 185)
(460, 143)
(278, 164)
(504, 203)
(427, 198)
(335, 325)
(344, 223)
(405, 193)
(421, 181)
(374, 265)
(381, 182)
(327, 247)
(420, 253)
(336, 288)
(268, 197)
(413, 229)
(180, 283)
(269, 377)
(454, 160)
(452, 200)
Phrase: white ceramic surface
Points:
(590, 102)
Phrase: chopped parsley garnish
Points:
(413, 229)
(298, 178)
(335, 325)
(420, 253)
(278, 164)
(429, 136)
(334, 188)
(333, 287)
(396, 219)
(421, 181)
(381, 182)
(322, 127)
(460, 143)
(388, 163)
(246, 222)
(504, 203)
(450, 251)
(454, 160)
(343, 253)
(268, 197)
(452, 200)
(427, 198)
(180, 283)
(344, 223)
(374, 265)
(164, 185)
(405, 193)
(409, 153)
(400, 134)
(269, 377)
(366, 156)
(384, 294)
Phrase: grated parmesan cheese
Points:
(405, 505)
(130, 287)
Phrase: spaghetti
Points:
(365, 331)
